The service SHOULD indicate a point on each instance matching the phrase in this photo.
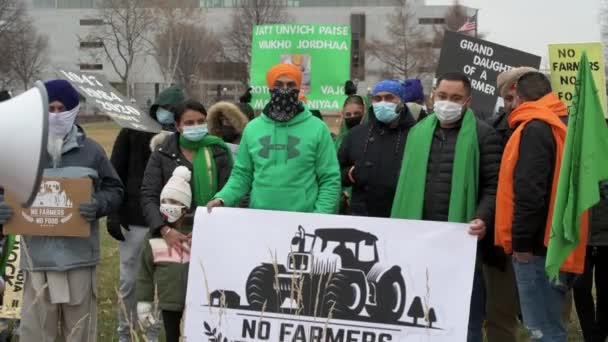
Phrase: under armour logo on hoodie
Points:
(292, 143)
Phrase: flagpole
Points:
(477, 22)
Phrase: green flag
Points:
(584, 165)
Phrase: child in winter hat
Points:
(176, 196)
(163, 274)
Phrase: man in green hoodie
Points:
(286, 157)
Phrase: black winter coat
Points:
(532, 182)
(129, 157)
(439, 176)
(376, 151)
(165, 158)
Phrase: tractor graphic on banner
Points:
(331, 273)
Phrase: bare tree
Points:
(24, 56)
(245, 16)
(30, 55)
(187, 49)
(12, 20)
(455, 17)
(125, 34)
(405, 48)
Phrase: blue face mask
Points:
(164, 116)
(385, 112)
(195, 133)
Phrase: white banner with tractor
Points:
(274, 276)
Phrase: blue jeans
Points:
(477, 313)
(542, 300)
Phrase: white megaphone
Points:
(23, 138)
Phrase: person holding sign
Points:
(286, 156)
(206, 155)
(526, 191)
(129, 156)
(370, 156)
(163, 274)
(449, 174)
(60, 272)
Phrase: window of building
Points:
(44, 3)
(90, 45)
(75, 3)
(91, 22)
(431, 21)
(88, 66)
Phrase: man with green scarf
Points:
(450, 173)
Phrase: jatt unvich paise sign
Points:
(55, 211)
(274, 276)
(14, 279)
(322, 52)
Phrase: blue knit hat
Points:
(389, 86)
(413, 90)
(62, 91)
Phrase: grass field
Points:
(107, 273)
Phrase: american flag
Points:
(470, 25)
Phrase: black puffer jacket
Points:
(129, 157)
(439, 174)
(165, 158)
(376, 151)
(598, 227)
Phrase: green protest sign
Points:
(322, 51)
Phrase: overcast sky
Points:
(531, 25)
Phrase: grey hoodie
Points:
(81, 157)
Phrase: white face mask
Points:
(60, 124)
(172, 212)
(447, 111)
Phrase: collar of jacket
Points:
(170, 146)
(406, 120)
(73, 140)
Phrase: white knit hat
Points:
(178, 187)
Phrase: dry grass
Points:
(107, 272)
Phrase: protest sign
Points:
(55, 211)
(481, 61)
(276, 276)
(321, 51)
(564, 61)
(99, 93)
(13, 288)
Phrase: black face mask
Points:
(229, 134)
(284, 104)
(353, 121)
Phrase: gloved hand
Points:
(145, 314)
(115, 230)
(6, 213)
(89, 210)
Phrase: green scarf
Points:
(204, 171)
(409, 198)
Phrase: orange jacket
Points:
(547, 109)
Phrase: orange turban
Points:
(288, 70)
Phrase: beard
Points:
(55, 147)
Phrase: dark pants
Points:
(593, 317)
(172, 321)
(477, 311)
